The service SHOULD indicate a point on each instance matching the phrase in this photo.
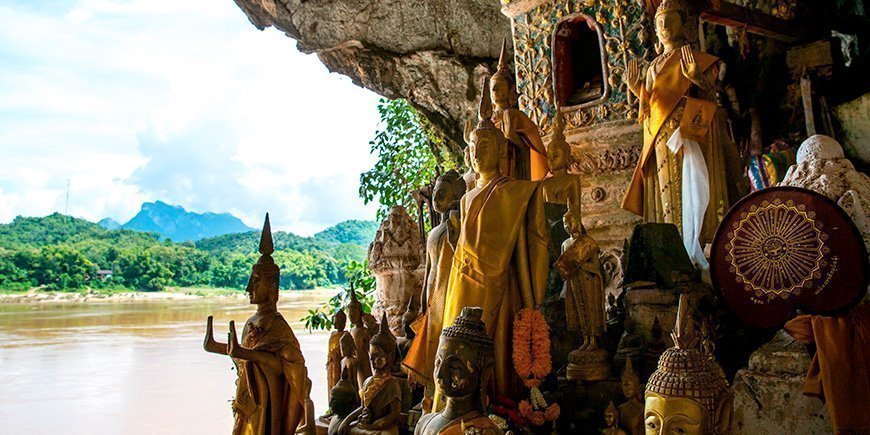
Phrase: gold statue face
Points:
(380, 358)
(453, 372)
(669, 415)
(669, 27)
(573, 226)
(261, 289)
(485, 152)
(630, 387)
(443, 197)
(500, 92)
(557, 158)
(354, 312)
(611, 417)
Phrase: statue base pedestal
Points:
(588, 365)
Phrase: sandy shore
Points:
(36, 296)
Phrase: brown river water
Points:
(131, 367)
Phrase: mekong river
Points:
(131, 367)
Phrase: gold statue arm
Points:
(236, 350)
(209, 344)
(692, 71)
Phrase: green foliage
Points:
(64, 253)
(409, 154)
(361, 280)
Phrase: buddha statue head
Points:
(348, 346)
(382, 348)
(611, 416)
(630, 382)
(572, 219)
(265, 274)
(502, 87)
(559, 156)
(488, 143)
(354, 308)
(688, 392)
(449, 187)
(670, 20)
(339, 320)
(342, 398)
(464, 362)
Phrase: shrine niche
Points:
(571, 57)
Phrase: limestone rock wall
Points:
(432, 52)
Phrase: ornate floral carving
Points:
(606, 161)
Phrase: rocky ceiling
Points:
(434, 53)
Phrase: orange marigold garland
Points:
(531, 355)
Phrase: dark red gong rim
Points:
(843, 282)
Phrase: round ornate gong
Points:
(784, 248)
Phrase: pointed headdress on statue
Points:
(671, 6)
(505, 73)
(384, 338)
(485, 126)
(265, 265)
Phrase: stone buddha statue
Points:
(360, 333)
(449, 188)
(463, 367)
(343, 398)
(350, 362)
(631, 412)
(631, 345)
(333, 353)
(381, 394)
(686, 148)
(611, 418)
(500, 262)
(688, 393)
(525, 158)
(654, 349)
(271, 388)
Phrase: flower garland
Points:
(531, 355)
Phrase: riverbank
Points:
(37, 295)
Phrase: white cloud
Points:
(182, 101)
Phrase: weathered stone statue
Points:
(688, 393)
(271, 387)
(449, 188)
(350, 363)
(343, 398)
(686, 148)
(631, 345)
(525, 157)
(381, 394)
(361, 335)
(611, 418)
(631, 412)
(580, 267)
(654, 349)
(393, 257)
(500, 263)
(333, 353)
(463, 368)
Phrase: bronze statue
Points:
(361, 335)
(501, 259)
(611, 417)
(686, 146)
(559, 185)
(333, 353)
(404, 342)
(463, 368)
(449, 188)
(631, 412)
(350, 362)
(525, 157)
(688, 393)
(381, 394)
(343, 398)
(271, 387)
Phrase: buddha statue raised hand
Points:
(272, 391)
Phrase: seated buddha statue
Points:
(381, 393)
(631, 345)
(688, 393)
(271, 391)
(343, 398)
(463, 366)
(611, 418)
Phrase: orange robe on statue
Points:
(500, 265)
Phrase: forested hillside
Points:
(61, 252)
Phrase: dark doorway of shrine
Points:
(578, 64)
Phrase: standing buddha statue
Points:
(360, 333)
(688, 393)
(333, 353)
(449, 188)
(381, 394)
(350, 362)
(611, 418)
(271, 386)
(631, 412)
(525, 157)
(500, 263)
(688, 172)
(463, 367)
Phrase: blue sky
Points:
(176, 100)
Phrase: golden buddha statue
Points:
(381, 394)
(333, 352)
(500, 263)
(611, 418)
(525, 157)
(631, 412)
(689, 171)
(449, 188)
(688, 393)
(559, 185)
(463, 367)
(361, 334)
(350, 362)
(271, 387)
(343, 399)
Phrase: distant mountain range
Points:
(177, 224)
